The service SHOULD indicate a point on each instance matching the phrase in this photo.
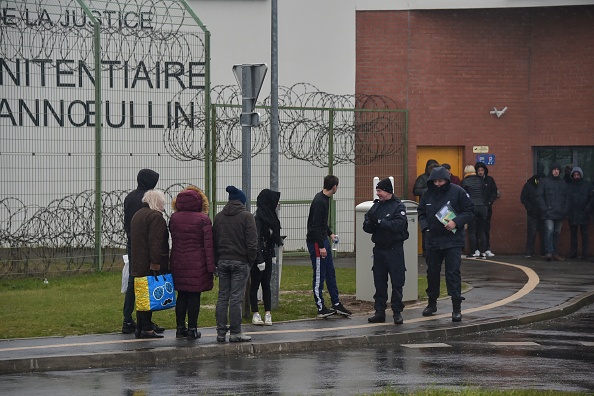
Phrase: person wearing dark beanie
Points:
(236, 194)
(387, 223)
(385, 185)
(236, 245)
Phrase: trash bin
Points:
(364, 251)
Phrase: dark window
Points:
(577, 156)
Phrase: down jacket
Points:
(553, 198)
(192, 252)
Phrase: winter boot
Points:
(431, 308)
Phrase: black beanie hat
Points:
(386, 185)
(236, 194)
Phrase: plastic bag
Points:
(125, 273)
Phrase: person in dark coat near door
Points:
(444, 241)
(581, 199)
(192, 257)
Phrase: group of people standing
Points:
(233, 247)
(549, 200)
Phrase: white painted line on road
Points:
(428, 345)
(514, 343)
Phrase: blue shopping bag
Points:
(154, 292)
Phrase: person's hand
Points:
(261, 266)
(216, 272)
(323, 252)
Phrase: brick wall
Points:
(449, 68)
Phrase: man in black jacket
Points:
(553, 200)
(386, 221)
(147, 180)
(490, 191)
(320, 253)
(444, 241)
(528, 199)
(420, 187)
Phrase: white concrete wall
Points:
(316, 40)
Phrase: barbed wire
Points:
(304, 127)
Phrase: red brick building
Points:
(450, 68)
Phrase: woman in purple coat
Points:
(192, 257)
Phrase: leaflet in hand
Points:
(446, 214)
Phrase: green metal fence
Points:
(65, 175)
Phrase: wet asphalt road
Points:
(551, 355)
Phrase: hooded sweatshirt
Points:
(581, 199)
(147, 180)
(489, 186)
(421, 183)
(528, 197)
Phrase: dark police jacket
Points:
(387, 223)
(437, 237)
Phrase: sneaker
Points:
(129, 327)
(325, 312)
(398, 318)
(268, 319)
(257, 319)
(482, 256)
(341, 310)
(470, 256)
(221, 338)
(476, 254)
(489, 253)
(239, 337)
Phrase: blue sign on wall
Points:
(487, 159)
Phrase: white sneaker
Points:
(257, 319)
(489, 253)
(476, 254)
(268, 319)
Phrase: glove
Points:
(261, 266)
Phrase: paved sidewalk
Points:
(506, 291)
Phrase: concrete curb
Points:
(162, 356)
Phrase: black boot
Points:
(193, 334)
(431, 308)
(398, 318)
(378, 317)
(181, 332)
(456, 311)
